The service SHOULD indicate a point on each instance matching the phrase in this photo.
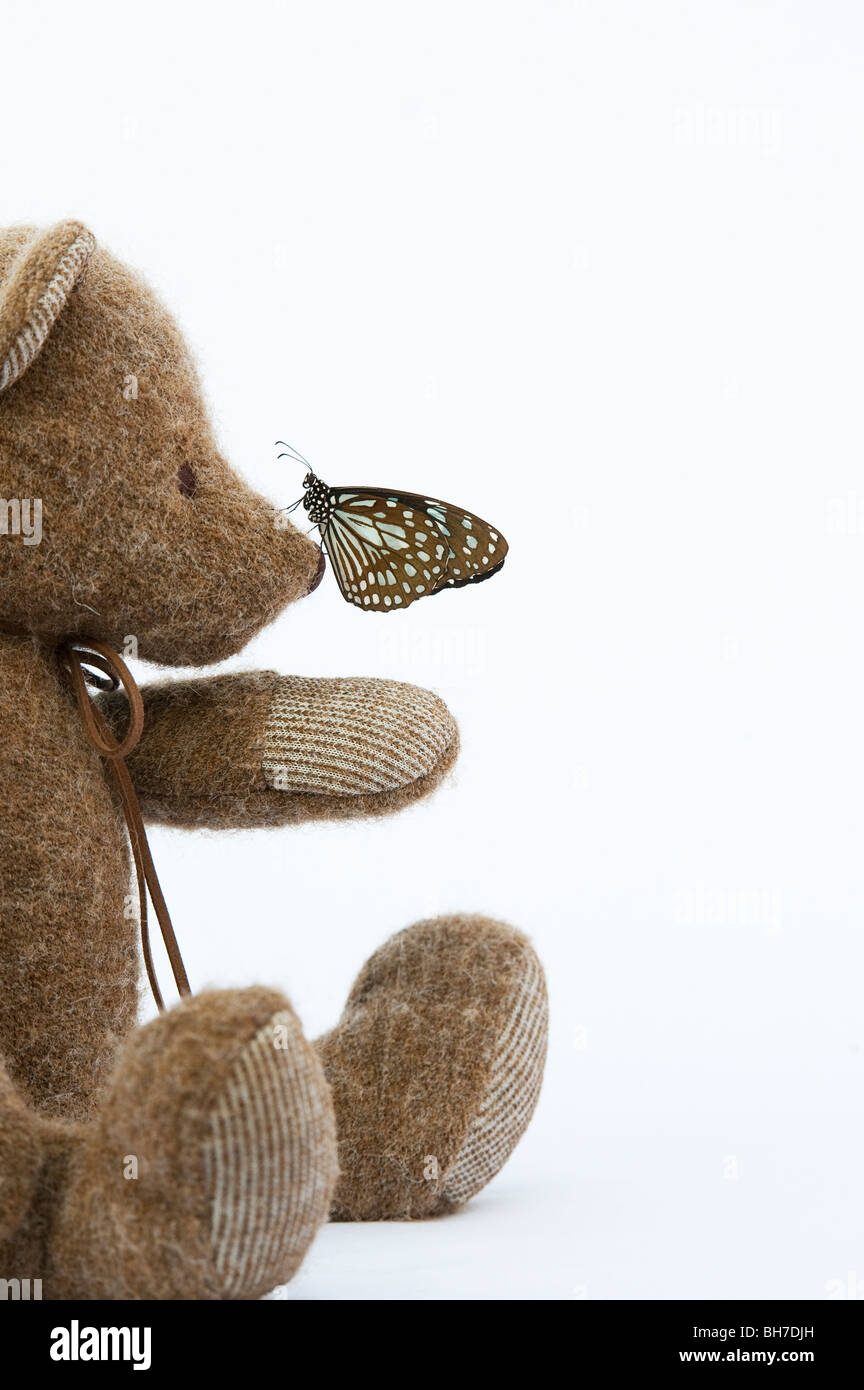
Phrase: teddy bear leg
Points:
(20, 1157)
(33, 1154)
(435, 1067)
(209, 1164)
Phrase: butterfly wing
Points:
(385, 551)
(476, 551)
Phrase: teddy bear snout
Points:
(319, 573)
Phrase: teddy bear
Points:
(195, 1156)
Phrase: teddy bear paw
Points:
(435, 1067)
(355, 737)
(269, 1160)
(211, 1163)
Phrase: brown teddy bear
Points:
(196, 1156)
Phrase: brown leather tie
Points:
(77, 653)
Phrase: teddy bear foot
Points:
(435, 1067)
(210, 1164)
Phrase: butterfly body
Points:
(390, 548)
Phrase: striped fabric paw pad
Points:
(353, 736)
(270, 1162)
(512, 1089)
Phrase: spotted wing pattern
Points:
(390, 548)
(476, 551)
(385, 552)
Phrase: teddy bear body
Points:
(195, 1157)
(68, 935)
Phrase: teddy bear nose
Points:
(319, 573)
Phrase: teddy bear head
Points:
(121, 516)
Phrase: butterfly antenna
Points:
(293, 454)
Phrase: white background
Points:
(594, 270)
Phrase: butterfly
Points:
(390, 548)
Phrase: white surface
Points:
(593, 270)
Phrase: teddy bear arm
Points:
(257, 749)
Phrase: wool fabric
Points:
(197, 1156)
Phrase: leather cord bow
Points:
(76, 653)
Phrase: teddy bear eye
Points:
(186, 480)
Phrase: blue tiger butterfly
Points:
(390, 548)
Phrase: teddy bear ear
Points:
(34, 290)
